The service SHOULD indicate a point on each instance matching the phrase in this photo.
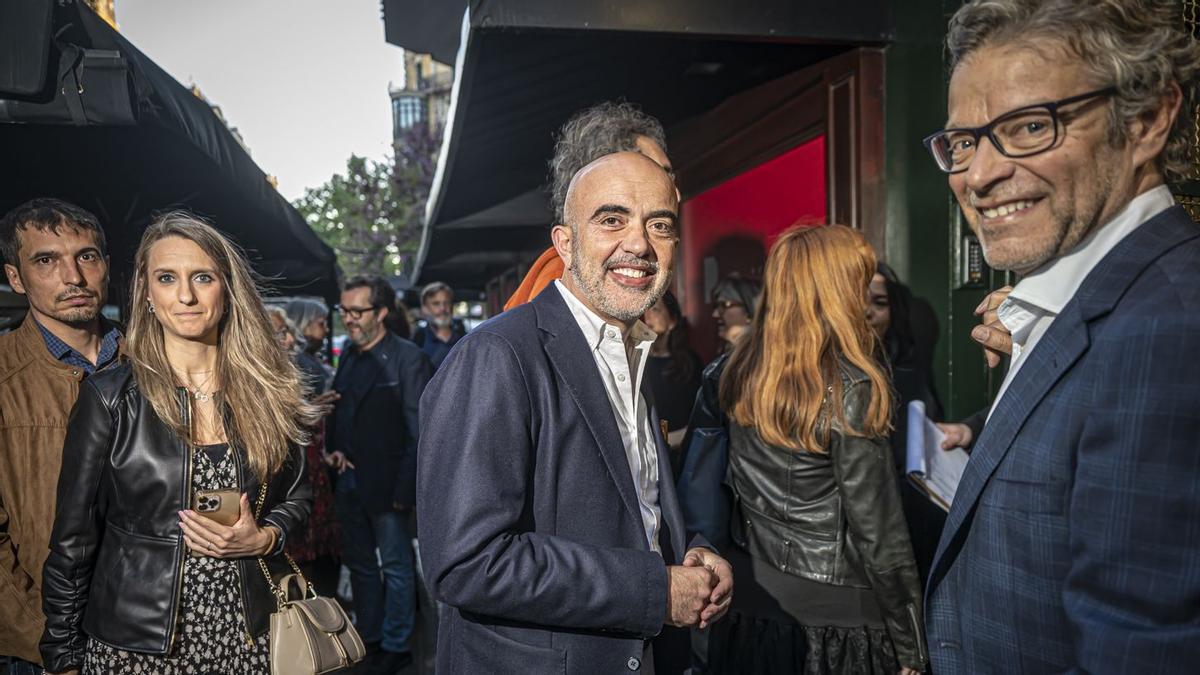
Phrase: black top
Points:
(673, 398)
(359, 373)
(215, 452)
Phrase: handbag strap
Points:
(280, 592)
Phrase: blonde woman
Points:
(204, 422)
(827, 582)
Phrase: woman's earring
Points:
(151, 307)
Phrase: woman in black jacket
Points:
(892, 312)
(139, 577)
(826, 578)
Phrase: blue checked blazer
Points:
(1073, 544)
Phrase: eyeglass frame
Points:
(355, 313)
(726, 304)
(986, 131)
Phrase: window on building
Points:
(406, 111)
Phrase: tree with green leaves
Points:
(372, 214)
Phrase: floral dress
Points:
(212, 636)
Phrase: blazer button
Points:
(633, 663)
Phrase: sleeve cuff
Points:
(280, 541)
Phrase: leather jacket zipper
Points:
(241, 575)
(186, 407)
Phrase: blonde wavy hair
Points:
(811, 316)
(261, 392)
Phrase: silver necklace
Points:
(198, 394)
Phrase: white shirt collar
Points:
(594, 327)
(1051, 286)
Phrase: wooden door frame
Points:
(841, 97)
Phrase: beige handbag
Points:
(311, 635)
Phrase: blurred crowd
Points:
(570, 487)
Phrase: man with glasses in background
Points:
(1072, 544)
(373, 445)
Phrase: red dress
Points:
(323, 536)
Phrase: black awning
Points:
(516, 87)
(136, 142)
(528, 65)
(425, 26)
(434, 26)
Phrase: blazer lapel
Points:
(1054, 354)
(574, 363)
(1062, 345)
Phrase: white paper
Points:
(934, 470)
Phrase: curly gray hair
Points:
(593, 133)
(1139, 46)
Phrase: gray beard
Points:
(594, 289)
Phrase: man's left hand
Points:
(722, 594)
(990, 333)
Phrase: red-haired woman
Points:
(826, 578)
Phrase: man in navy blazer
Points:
(548, 521)
(1072, 544)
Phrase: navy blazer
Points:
(1073, 544)
(383, 444)
(529, 522)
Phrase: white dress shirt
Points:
(1038, 298)
(621, 369)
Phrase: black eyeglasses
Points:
(356, 312)
(1023, 132)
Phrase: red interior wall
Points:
(732, 225)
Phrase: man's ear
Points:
(14, 278)
(1150, 131)
(561, 236)
(383, 312)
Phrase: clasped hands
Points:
(243, 538)
(699, 590)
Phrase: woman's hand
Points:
(244, 538)
(337, 459)
(958, 435)
(909, 671)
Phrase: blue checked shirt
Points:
(65, 353)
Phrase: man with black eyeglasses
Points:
(1071, 545)
(373, 445)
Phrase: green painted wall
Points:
(924, 229)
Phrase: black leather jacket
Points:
(115, 570)
(832, 517)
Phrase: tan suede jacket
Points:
(36, 396)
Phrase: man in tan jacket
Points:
(54, 254)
